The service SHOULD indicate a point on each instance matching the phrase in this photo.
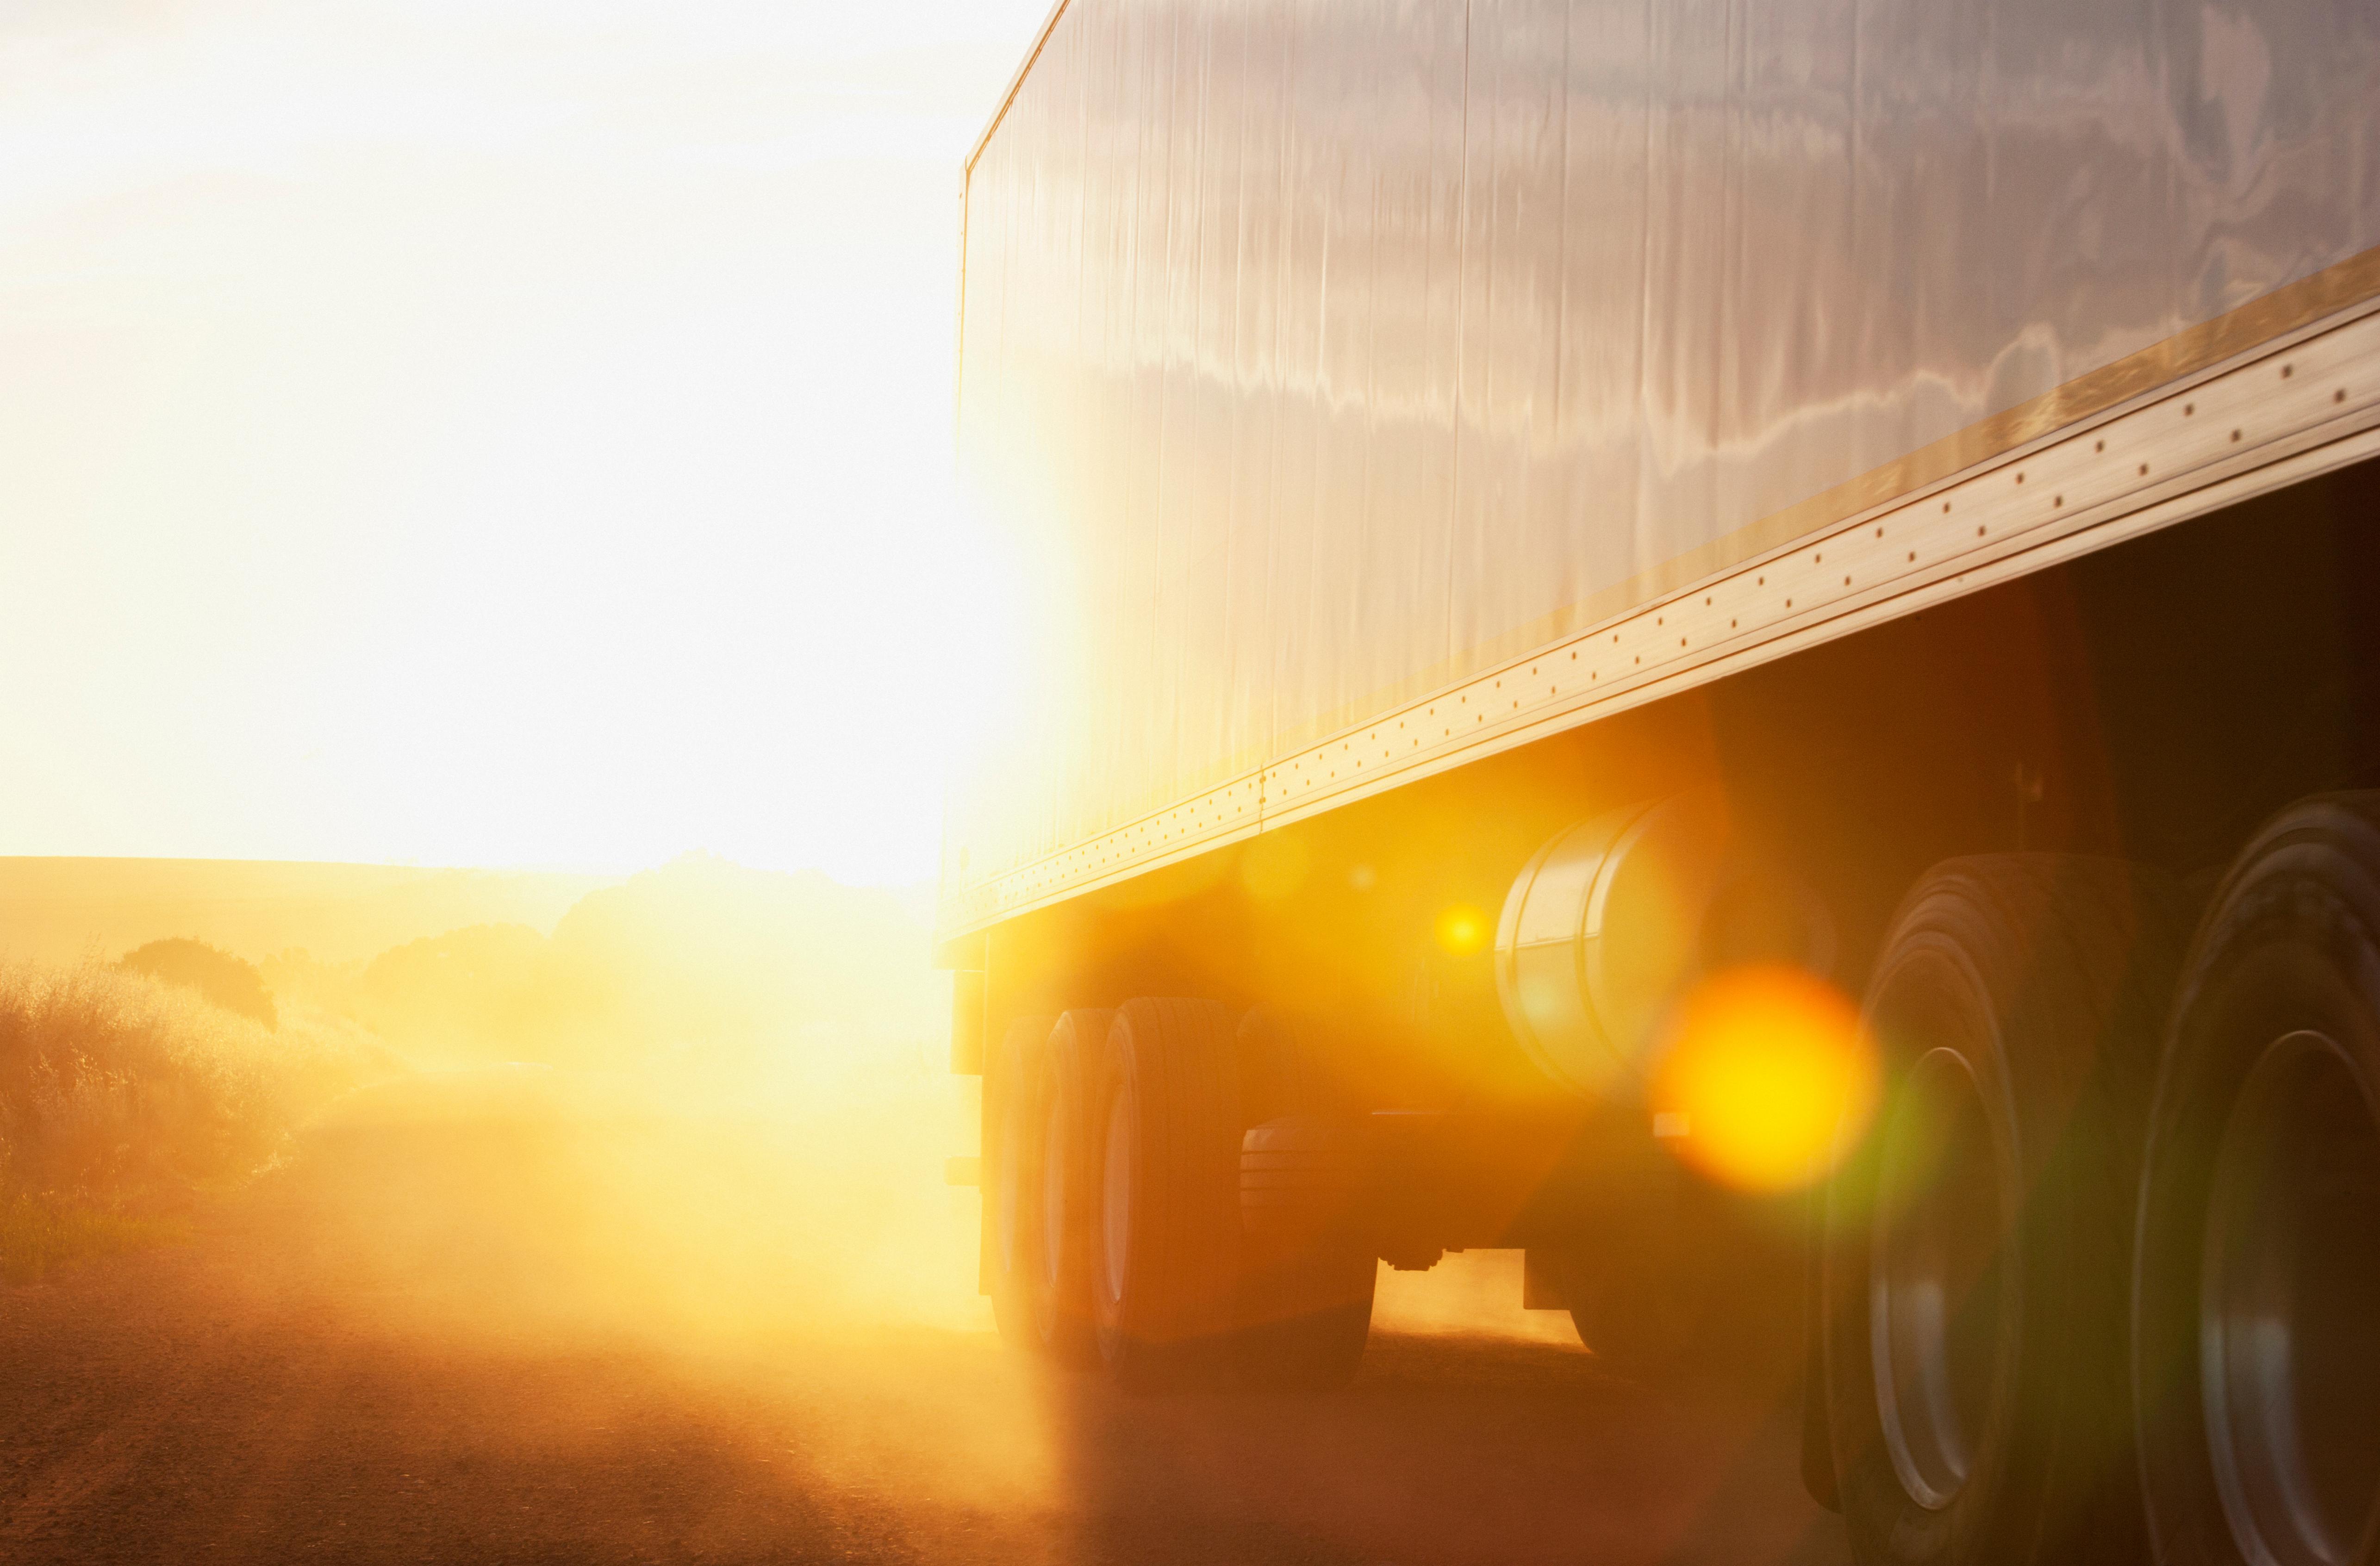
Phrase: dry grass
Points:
(38, 1233)
(121, 1095)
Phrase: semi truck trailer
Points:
(1737, 645)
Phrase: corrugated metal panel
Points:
(1322, 356)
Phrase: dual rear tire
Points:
(1971, 1320)
(1034, 1215)
(2256, 1281)
(1166, 1192)
(1121, 1189)
(2102, 1282)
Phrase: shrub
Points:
(119, 1092)
(230, 983)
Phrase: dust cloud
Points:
(628, 1239)
(731, 1086)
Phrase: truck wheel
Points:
(2256, 1283)
(1307, 1262)
(1166, 1126)
(1308, 1266)
(1974, 1327)
(1061, 1286)
(1643, 1314)
(1012, 1146)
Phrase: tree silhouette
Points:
(226, 980)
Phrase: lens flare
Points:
(1766, 1063)
(1462, 929)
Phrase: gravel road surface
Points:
(423, 1339)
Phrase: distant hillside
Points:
(62, 910)
(701, 957)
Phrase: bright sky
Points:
(487, 432)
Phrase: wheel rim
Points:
(1115, 1205)
(2289, 1288)
(1935, 1306)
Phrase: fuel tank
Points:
(1615, 919)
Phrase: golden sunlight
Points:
(1274, 866)
(1073, 780)
(507, 434)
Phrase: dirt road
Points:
(431, 1336)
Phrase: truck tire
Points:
(1011, 1149)
(1062, 1293)
(1307, 1266)
(1307, 1262)
(1973, 1327)
(1644, 1312)
(2256, 1277)
(1166, 1126)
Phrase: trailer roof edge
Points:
(1015, 83)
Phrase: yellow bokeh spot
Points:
(1767, 1065)
(1462, 929)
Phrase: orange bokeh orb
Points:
(1767, 1073)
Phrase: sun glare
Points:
(1766, 1065)
(505, 434)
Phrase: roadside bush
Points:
(120, 1094)
(230, 983)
